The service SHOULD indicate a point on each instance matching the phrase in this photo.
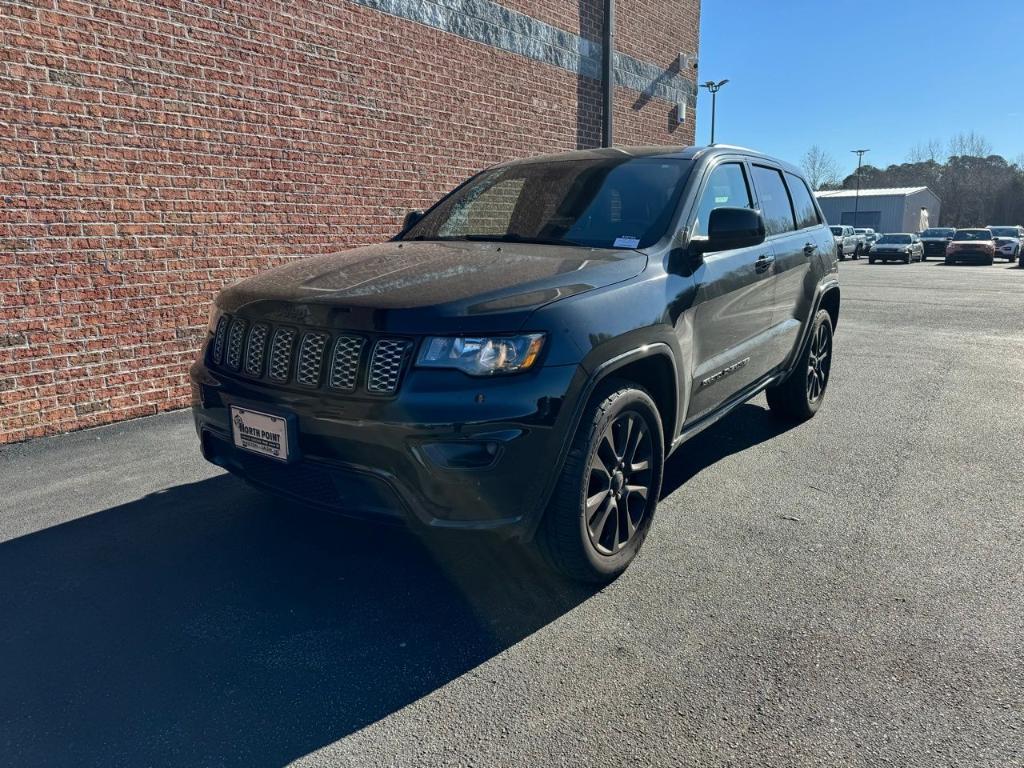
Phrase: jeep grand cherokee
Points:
(524, 356)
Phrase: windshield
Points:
(972, 234)
(937, 232)
(618, 202)
(895, 239)
(836, 230)
(1004, 231)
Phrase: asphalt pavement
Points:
(847, 592)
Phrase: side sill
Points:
(738, 399)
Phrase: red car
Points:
(977, 245)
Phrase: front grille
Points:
(281, 355)
(256, 349)
(309, 358)
(386, 365)
(236, 342)
(345, 363)
(219, 338)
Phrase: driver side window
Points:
(726, 187)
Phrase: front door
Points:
(733, 305)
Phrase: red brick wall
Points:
(152, 152)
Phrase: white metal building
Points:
(897, 209)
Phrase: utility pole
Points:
(713, 88)
(856, 198)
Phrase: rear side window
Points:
(775, 206)
(726, 188)
(803, 205)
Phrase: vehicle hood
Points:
(971, 244)
(428, 286)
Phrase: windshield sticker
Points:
(625, 241)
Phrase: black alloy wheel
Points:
(802, 392)
(608, 491)
(819, 363)
(619, 483)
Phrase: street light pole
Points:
(856, 200)
(713, 88)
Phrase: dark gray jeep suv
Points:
(522, 357)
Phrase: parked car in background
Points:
(1009, 241)
(847, 241)
(869, 237)
(935, 240)
(610, 304)
(972, 245)
(899, 246)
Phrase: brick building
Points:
(152, 151)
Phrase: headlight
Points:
(481, 355)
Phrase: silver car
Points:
(901, 246)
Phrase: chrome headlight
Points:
(482, 355)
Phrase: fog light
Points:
(467, 454)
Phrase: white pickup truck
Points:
(848, 242)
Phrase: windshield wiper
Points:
(514, 238)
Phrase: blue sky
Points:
(872, 74)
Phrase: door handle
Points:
(764, 261)
(810, 248)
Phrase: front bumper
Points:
(970, 256)
(449, 451)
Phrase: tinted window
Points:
(806, 213)
(937, 232)
(836, 230)
(771, 194)
(726, 188)
(895, 240)
(621, 202)
(1004, 231)
(972, 234)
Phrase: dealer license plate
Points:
(261, 433)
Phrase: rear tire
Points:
(605, 499)
(800, 396)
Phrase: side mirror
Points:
(411, 219)
(731, 228)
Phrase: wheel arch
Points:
(655, 370)
(829, 301)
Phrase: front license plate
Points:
(261, 433)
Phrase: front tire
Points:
(800, 396)
(603, 505)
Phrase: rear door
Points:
(793, 249)
(733, 306)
